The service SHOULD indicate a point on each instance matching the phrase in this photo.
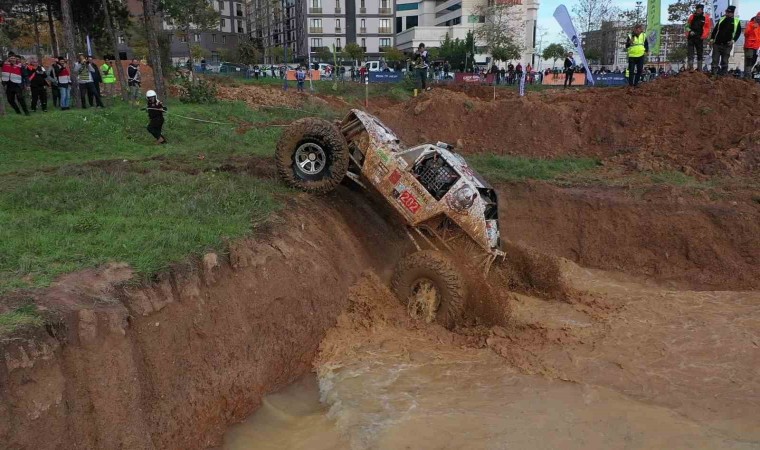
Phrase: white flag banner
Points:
(564, 20)
(719, 9)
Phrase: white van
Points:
(373, 66)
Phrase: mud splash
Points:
(387, 382)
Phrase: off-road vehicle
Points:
(451, 212)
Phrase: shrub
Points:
(198, 91)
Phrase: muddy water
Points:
(386, 383)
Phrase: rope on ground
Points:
(214, 122)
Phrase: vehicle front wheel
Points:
(312, 155)
(431, 287)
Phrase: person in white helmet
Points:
(156, 115)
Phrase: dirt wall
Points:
(172, 364)
(702, 245)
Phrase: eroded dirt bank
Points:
(662, 236)
(171, 365)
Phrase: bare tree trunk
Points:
(36, 21)
(70, 46)
(119, 68)
(53, 35)
(152, 30)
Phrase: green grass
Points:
(56, 138)
(18, 318)
(515, 168)
(58, 214)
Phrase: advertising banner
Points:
(472, 78)
(385, 77)
(564, 20)
(315, 75)
(579, 79)
(654, 26)
(611, 79)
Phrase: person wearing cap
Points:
(697, 30)
(724, 35)
(156, 111)
(134, 79)
(751, 45)
(108, 72)
(638, 48)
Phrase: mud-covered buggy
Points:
(451, 212)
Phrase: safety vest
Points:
(736, 25)
(627, 73)
(637, 48)
(108, 74)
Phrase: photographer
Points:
(38, 82)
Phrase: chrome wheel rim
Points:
(310, 158)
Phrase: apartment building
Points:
(233, 24)
(308, 26)
(428, 22)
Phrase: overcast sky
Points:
(546, 21)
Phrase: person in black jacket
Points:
(723, 36)
(38, 82)
(569, 69)
(156, 111)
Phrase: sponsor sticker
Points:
(395, 177)
(384, 157)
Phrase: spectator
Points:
(723, 37)
(87, 89)
(53, 79)
(134, 80)
(751, 45)
(446, 70)
(38, 84)
(203, 65)
(697, 30)
(421, 65)
(518, 72)
(569, 69)
(13, 80)
(300, 77)
(63, 79)
(638, 48)
(362, 73)
(510, 73)
(97, 77)
(108, 71)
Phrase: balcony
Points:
(315, 30)
(385, 30)
(315, 10)
(337, 11)
(386, 10)
(362, 10)
(338, 30)
(338, 49)
(362, 31)
(318, 49)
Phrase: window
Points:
(385, 42)
(221, 5)
(385, 4)
(213, 39)
(363, 24)
(224, 39)
(316, 3)
(362, 5)
(337, 44)
(411, 21)
(121, 40)
(240, 27)
(223, 24)
(316, 23)
(399, 24)
(364, 43)
(316, 43)
(182, 38)
(385, 26)
(196, 38)
(337, 25)
(239, 9)
(337, 5)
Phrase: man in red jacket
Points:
(751, 45)
(697, 30)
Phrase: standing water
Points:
(387, 383)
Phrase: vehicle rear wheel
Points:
(431, 287)
(312, 155)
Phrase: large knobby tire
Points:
(312, 155)
(413, 279)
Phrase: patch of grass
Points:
(82, 217)
(514, 168)
(674, 178)
(20, 317)
(57, 138)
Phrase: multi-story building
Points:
(429, 21)
(309, 26)
(232, 26)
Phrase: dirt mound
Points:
(256, 96)
(692, 123)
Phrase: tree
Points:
(593, 54)
(501, 30)
(554, 52)
(632, 17)
(119, 68)
(189, 16)
(353, 51)
(249, 51)
(679, 11)
(589, 14)
(393, 54)
(324, 54)
(454, 51)
(70, 46)
(678, 54)
(152, 33)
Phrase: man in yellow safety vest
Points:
(638, 48)
(108, 70)
(723, 37)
